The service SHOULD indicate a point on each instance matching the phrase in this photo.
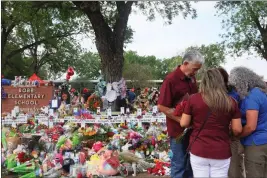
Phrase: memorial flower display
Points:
(46, 143)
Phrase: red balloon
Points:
(70, 71)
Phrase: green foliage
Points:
(136, 67)
(38, 39)
(214, 56)
(138, 74)
(40, 36)
(139, 68)
(150, 63)
(88, 66)
(168, 65)
(109, 21)
(168, 10)
(245, 23)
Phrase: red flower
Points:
(22, 157)
(72, 90)
(85, 90)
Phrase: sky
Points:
(165, 41)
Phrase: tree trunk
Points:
(111, 55)
(109, 42)
(112, 65)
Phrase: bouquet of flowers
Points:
(178, 112)
(94, 102)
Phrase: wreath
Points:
(94, 102)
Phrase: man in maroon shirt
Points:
(176, 85)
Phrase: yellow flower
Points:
(94, 157)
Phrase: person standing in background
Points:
(176, 85)
(253, 93)
(237, 167)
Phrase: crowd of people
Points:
(225, 117)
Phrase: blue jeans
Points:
(177, 160)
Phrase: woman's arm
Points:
(236, 126)
(169, 112)
(252, 119)
(185, 120)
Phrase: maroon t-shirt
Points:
(213, 141)
(174, 87)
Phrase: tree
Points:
(213, 54)
(138, 74)
(109, 22)
(151, 63)
(41, 39)
(88, 67)
(246, 26)
(168, 65)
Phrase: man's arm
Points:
(169, 112)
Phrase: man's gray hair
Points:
(244, 79)
(193, 56)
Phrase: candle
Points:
(16, 108)
(13, 113)
(122, 110)
(109, 113)
(139, 112)
(46, 110)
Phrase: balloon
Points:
(70, 71)
(67, 77)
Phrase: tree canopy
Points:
(42, 36)
(37, 39)
(109, 21)
(245, 23)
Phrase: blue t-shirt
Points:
(234, 95)
(256, 100)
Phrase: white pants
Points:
(204, 167)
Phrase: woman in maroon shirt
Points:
(210, 153)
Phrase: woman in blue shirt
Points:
(253, 93)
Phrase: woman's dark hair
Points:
(225, 75)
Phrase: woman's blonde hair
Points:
(214, 91)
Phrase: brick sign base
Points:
(26, 97)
